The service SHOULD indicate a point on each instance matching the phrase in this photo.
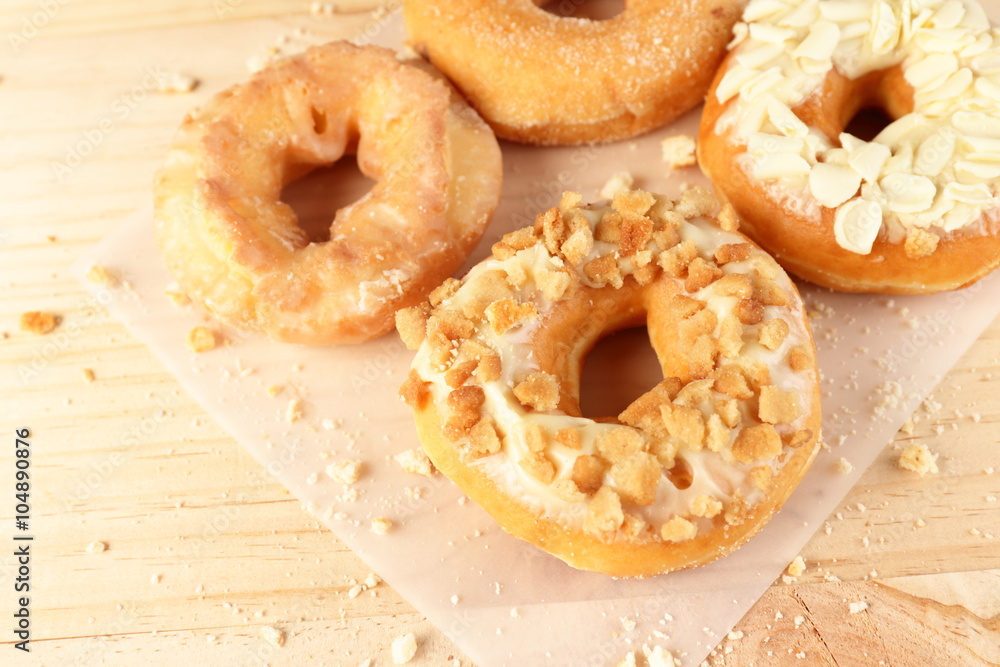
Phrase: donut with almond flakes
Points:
(914, 209)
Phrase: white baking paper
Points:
(503, 601)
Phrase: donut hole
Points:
(316, 197)
(868, 122)
(593, 10)
(620, 368)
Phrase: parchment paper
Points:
(515, 604)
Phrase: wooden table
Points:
(203, 549)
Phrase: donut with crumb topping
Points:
(544, 79)
(688, 471)
(235, 247)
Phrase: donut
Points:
(544, 79)
(912, 210)
(689, 470)
(236, 248)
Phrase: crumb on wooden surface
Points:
(100, 275)
(797, 567)
(404, 648)
(918, 458)
(273, 636)
(39, 322)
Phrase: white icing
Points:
(715, 474)
(920, 170)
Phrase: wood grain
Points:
(203, 548)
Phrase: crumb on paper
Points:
(918, 459)
(176, 296)
(274, 389)
(99, 275)
(155, 579)
(659, 657)
(202, 339)
(844, 466)
(887, 397)
(39, 322)
(273, 636)
(628, 660)
(627, 623)
(381, 526)
(372, 580)
(415, 461)
(294, 411)
(355, 591)
(96, 547)
(88, 374)
(619, 181)
(679, 151)
(797, 567)
(907, 427)
(404, 648)
(858, 607)
(175, 82)
(345, 472)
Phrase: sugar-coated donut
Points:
(691, 469)
(234, 246)
(543, 79)
(914, 210)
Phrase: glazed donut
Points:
(543, 79)
(915, 210)
(236, 248)
(688, 471)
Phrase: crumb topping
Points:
(739, 398)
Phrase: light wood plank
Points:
(209, 521)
